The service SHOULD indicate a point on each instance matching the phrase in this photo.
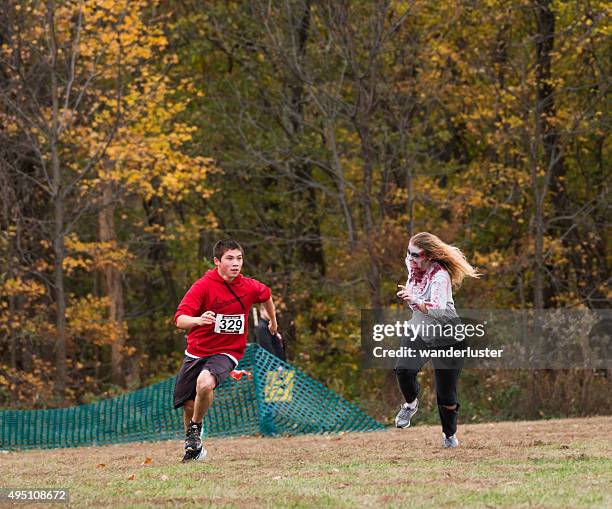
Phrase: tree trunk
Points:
(58, 215)
(159, 248)
(373, 276)
(411, 200)
(11, 336)
(60, 297)
(552, 150)
(311, 252)
(113, 285)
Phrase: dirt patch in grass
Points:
(508, 464)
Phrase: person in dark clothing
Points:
(273, 343)
(434, 269)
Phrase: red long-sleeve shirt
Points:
(211, 293)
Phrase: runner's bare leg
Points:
(205, 385)
(188, 412)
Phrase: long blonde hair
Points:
(450, 257)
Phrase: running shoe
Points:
(402, 419)
(194, 449)
(449, 442)
(197, 455)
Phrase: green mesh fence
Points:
(279, 399)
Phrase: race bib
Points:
(229, 324)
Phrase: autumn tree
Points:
(90, 102)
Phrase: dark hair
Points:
(222, 246)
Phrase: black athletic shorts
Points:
(219, 366)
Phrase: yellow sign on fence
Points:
(279, 385)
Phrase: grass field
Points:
(557, 463)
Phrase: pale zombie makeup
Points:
(416, 258)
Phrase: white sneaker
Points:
(449, 442)
(197, 455)
(402, 419)
(203, 454)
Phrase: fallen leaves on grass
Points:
(132, 477)
(147, 461)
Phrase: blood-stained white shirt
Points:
(431, 288)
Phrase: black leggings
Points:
(446, 373)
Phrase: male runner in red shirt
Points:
(215, 311)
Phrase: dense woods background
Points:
(320, 135)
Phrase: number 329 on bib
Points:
(229, 324)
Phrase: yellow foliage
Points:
(34, 388)
(19, 286)
(118, 44)
(87, 319)
(94, 255)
